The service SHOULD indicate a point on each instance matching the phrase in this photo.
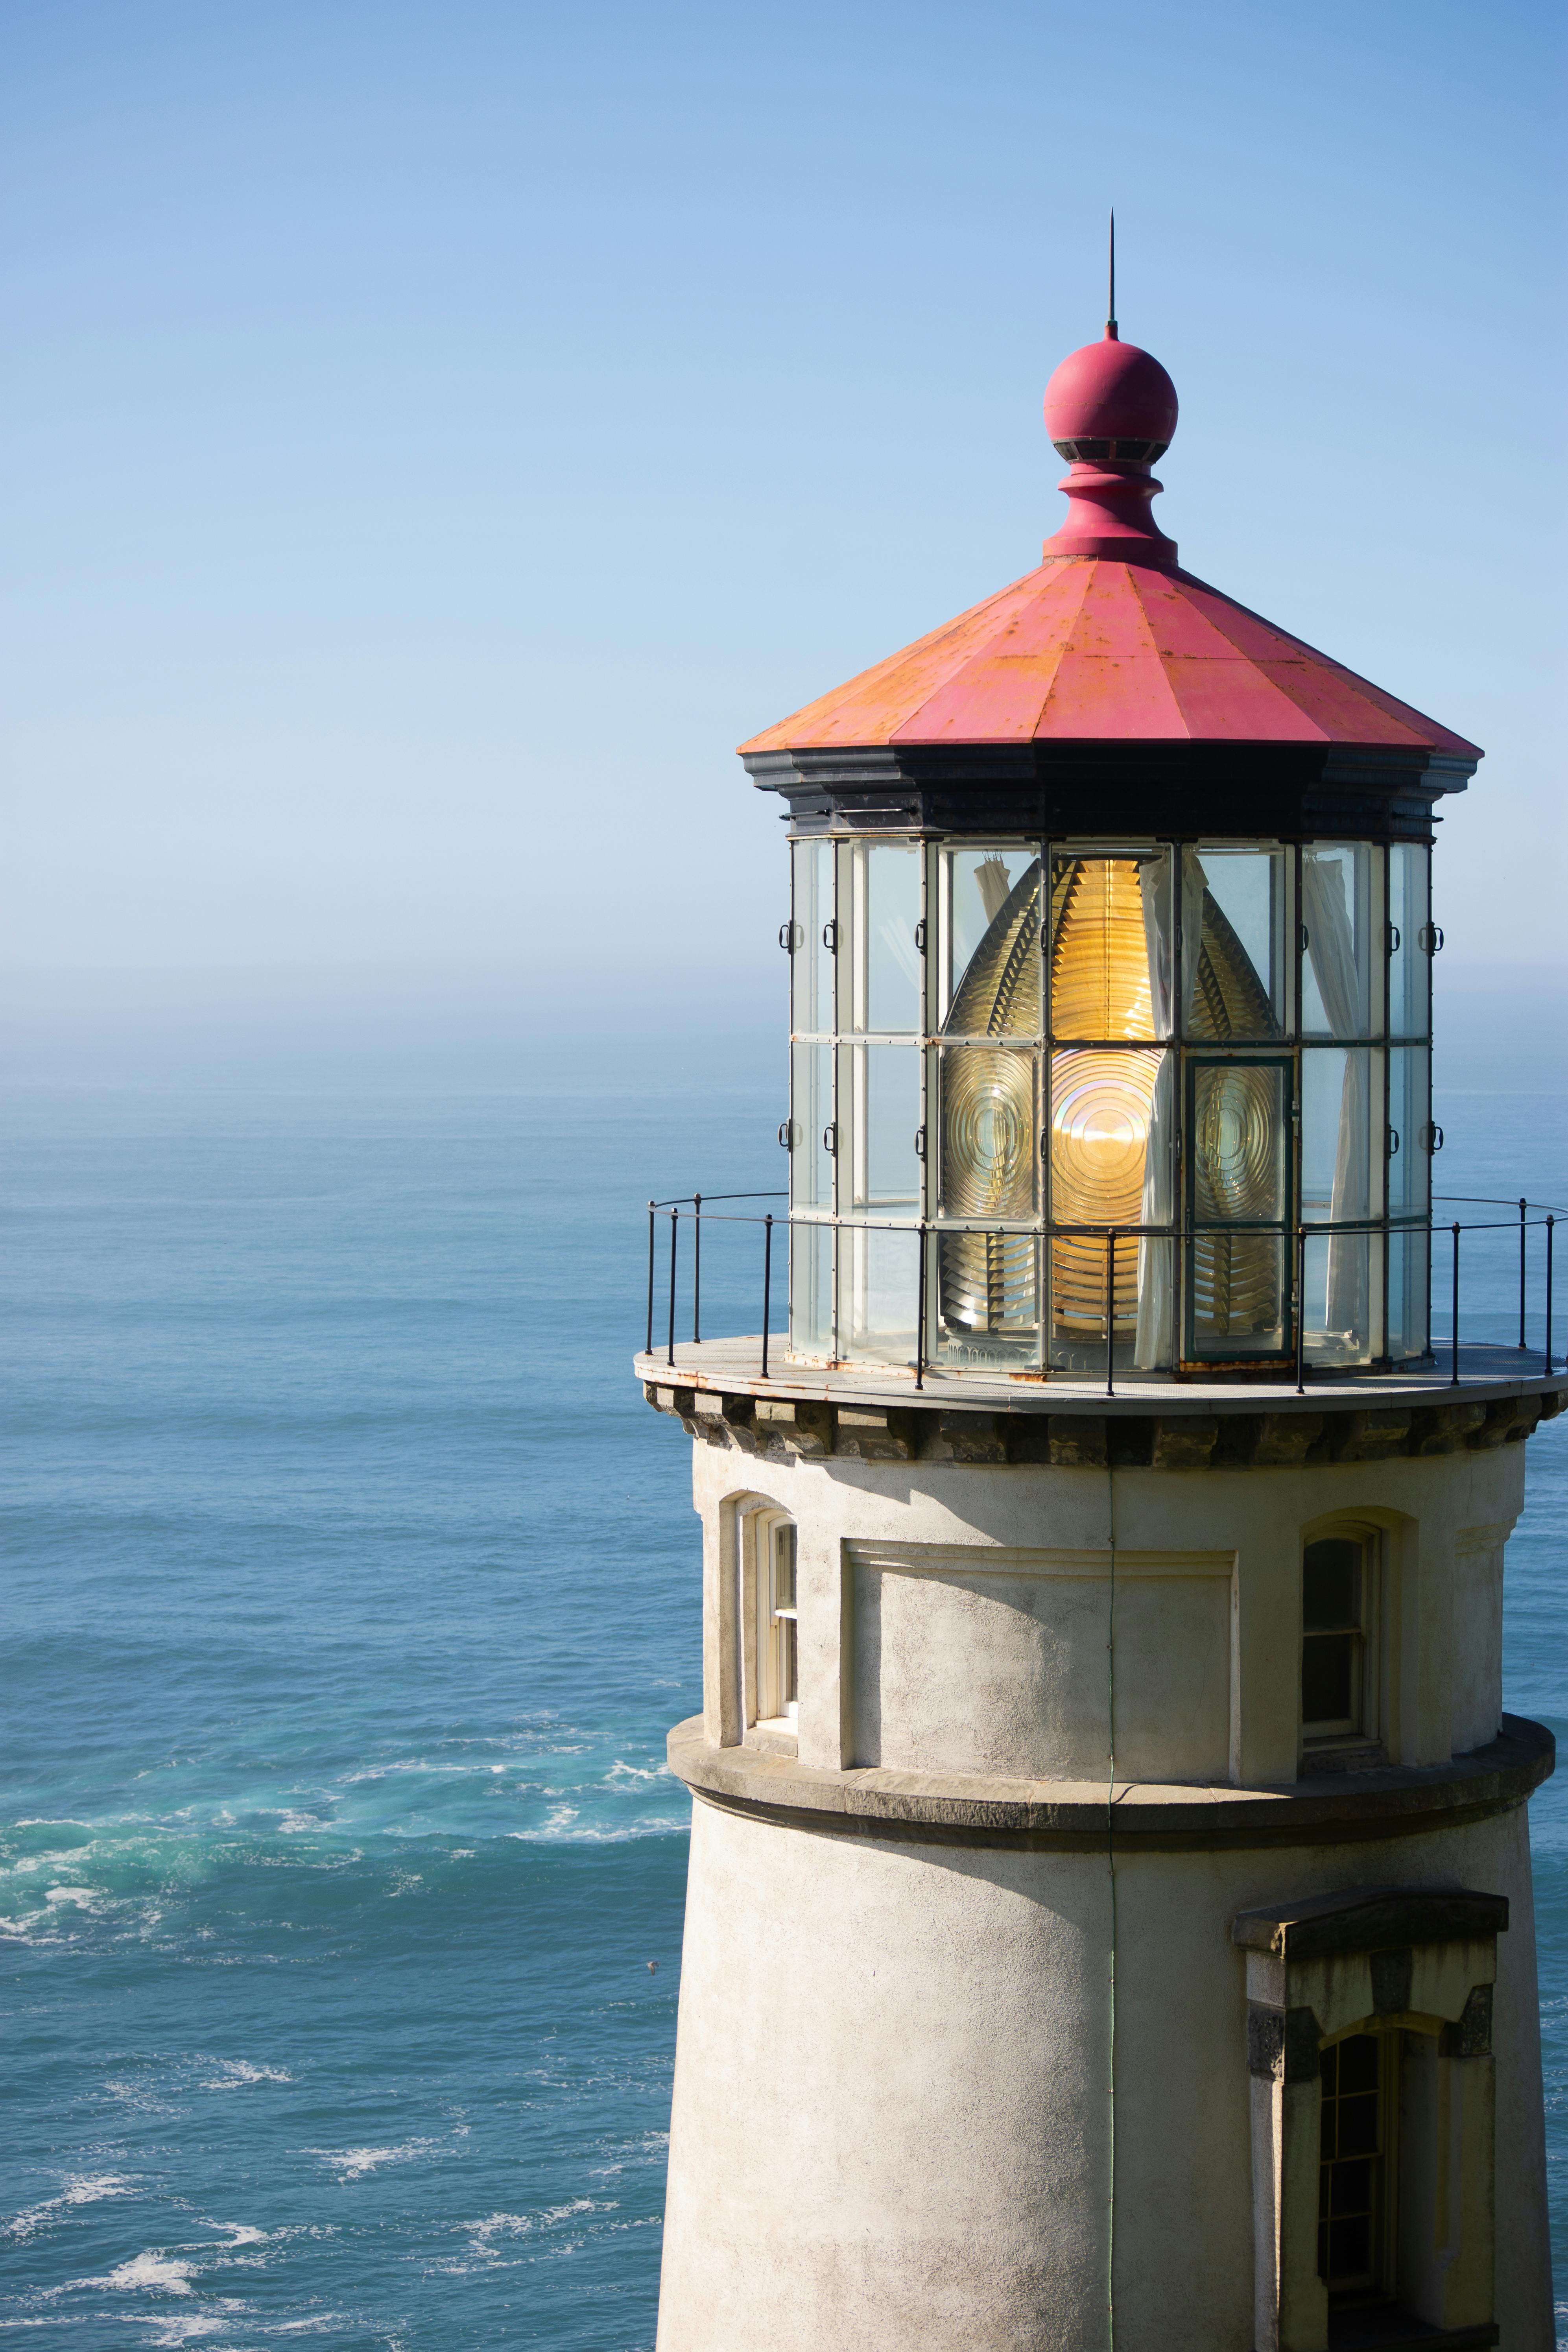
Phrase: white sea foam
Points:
(82, 2189)
(483, 2234)
(152, 2273)
(189, 2328)
(636, 1772)
(142, 2096)
(353, 2163)
(554, 1833)
(233, 2073)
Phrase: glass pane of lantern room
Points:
(1341, 918)
(878, 909)
(986, 1300)
(811, 1290)
(1409, 1292)
(1409, 963)
(1239, 1120)
(1239, 1176)
(1102, 987)
(1409, 1112)
(988, 963)
(1342, 1140)
(1341, 1308)
(1105, 1121)
(878, 1293)
(1234, 906)
(1237, 1293)
(988, 1162)
(811, 1133)
(812, 960)
(878, 1117)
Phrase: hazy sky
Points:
(434, 434)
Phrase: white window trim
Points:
(762, 1527)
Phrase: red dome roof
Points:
(1110, 390)
(1090, 648)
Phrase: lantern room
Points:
(1110, 953)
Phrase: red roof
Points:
(1092, 648)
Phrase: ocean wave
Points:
(81, 2188)
(353, 2163)
(234, 2073)
(152, 2273)
(190, 2326)
(483, 2234)
(657, 1825)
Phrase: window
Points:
(1373, 2147)
(777, 1643)
(1338, 1695)
(1356, 2200)
(1018, 1042)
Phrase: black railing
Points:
(702, 1212)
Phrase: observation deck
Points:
(719, 1389)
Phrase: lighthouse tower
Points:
(1109, 1925)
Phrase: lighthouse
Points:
(1109, 1925)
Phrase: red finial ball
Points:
(1110, 401)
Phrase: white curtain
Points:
(1330, 944)
(1154, 1340)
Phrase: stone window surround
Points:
(1423, 1960)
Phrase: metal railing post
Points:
(767, 1284)
(649, 1350)
(1551, 1223)
(1522, 1207)
(674, 1223)
(921, 1317)
(1301, 1310)
(1111, 1312)
(697, 1269)
(1454, 1383)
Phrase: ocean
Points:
(351, 1589)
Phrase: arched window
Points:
(769, 1645)
(1340, 1648)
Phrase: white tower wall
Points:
(891, 2117)
(968, 2045)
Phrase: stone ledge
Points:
(1372, 1919)
(958, 1809)
(781, 1428)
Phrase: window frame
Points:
(1380, 2282)
(768, 1660)
(1325, 1735)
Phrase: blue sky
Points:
(433, 435)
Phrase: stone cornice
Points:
(1185, 1432)
(1070, 1816)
